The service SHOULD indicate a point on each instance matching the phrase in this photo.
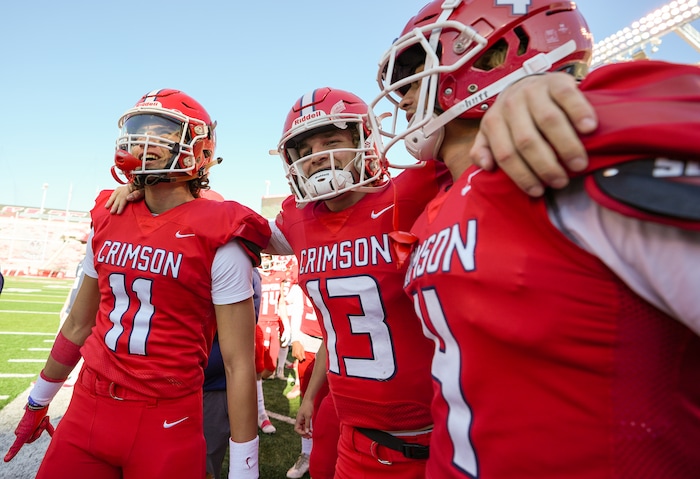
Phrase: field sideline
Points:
(29, 320)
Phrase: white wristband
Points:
(243, 459)
(44, 391)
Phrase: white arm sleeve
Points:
(89, 260)
(278, 243)
(231, 274)
(295, 311)
(660, 263)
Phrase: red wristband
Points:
(65, 351)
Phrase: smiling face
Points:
(153, 139)
(320, 150)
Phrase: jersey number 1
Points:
(446, 369)
(141, 292)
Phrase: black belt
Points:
(409, 450)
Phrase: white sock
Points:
(306, 445)
(261, 399)
(281, 358)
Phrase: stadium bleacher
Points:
(47, 243)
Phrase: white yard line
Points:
(280, 417)
(25, 302)
(27, 333)
(27, 312)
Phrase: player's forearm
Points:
(236, 326)
(83, 313)
(65, 353)
(242, 399)
(318, 375)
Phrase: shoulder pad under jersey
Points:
(645, 155)
(662, 190)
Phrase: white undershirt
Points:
(660, 263)
(278, 243)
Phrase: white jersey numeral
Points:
(446, 369)
(380, 363)
(140, 292)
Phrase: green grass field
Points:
(29, 319)
(28, 323)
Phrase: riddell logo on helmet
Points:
(307, 117)
(150, 103)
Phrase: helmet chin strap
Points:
(150, 180)
(144, 179)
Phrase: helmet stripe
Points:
(307, 103)
(152, 95)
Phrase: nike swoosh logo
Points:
(380, 212)
(181, 235)
(168, 425)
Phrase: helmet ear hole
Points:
(524, 40)
(493, 57)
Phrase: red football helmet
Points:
(471, 50)
(171, 120)
(316, 112)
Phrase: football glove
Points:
(33, 423)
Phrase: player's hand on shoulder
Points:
(528, 124)
(33, 423)
(121, 196)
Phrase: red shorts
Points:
(304, 370)
(326, 431)
(263, 360)
(113, 433)
(360, 456)
(271, 344)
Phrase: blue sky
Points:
(70, 69)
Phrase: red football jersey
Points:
(547, 366)
(270, 287)
(378, 359)
(156, 320)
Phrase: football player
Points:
(565, 330)
(375, 357)
(160, 279)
